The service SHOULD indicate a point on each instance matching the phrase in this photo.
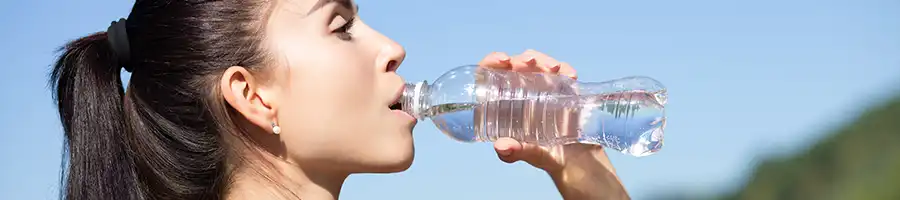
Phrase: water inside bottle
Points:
(630, 122)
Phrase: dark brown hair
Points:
(163, 138)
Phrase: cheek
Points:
(332, 92)
(339, 82)
(331, 95)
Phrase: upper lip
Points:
(397, 97)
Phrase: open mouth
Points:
(397, 98)
(396, 106)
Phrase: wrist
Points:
(588, 174)
(579, 159)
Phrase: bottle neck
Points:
(414, 101)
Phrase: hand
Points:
(510, 150)
(580, 171)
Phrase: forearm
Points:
(589, 177)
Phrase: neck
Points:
(280, 179)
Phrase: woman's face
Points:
(336, 80)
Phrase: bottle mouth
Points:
(413, 100)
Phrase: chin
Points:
(393, 168)
(392, 152)
(398, 161)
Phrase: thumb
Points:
(506, 147)
(509, 150)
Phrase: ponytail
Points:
(165, 137)
(89, 96)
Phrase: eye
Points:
(343, 32)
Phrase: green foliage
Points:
(859, 162)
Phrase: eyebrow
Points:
(345, 3)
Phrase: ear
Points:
(247, 96)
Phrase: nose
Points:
(390, 55)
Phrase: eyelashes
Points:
(343, 32)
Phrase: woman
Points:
(248, 99)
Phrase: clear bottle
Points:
(475, 104)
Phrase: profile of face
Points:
(329, 90)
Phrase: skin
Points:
(329, 93)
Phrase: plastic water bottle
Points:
(476, 104)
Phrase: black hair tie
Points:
(118, 40)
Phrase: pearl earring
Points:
(275, 128)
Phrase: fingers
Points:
(528, 61)
(534, 61)
(525, 63)
(498, 60)
(567, 70)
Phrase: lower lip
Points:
(404, 115)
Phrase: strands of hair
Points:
(163, 138)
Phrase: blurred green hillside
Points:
(860, 161)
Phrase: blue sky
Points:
(746, 79)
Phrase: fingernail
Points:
(504, 152)
(501, 56)
(555, 68)
(530, 60)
